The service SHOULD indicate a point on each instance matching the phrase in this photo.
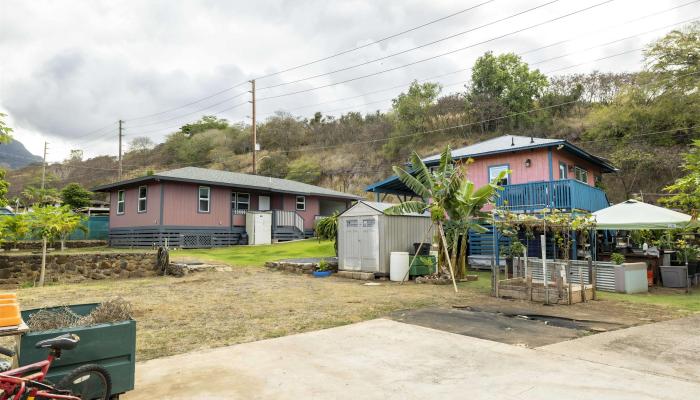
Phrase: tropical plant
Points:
(49, 223)
(15, 228)
(41, 196)
(323, 266)
(617, 258)
(448, 197)
(686, 190)
(327, 229)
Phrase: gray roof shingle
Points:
(234, 179)
(497, 144)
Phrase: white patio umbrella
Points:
(635, 215)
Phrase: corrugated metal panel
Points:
(398, 233)
(605, 272)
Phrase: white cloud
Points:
(72, 67)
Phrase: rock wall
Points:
(21, 269)
(299, 267)
(36, 244)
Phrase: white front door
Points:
(264, 203)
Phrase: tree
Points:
(141, 144)
(274, 165)
(686, 190)
(504, 83)
(412, 111)
(76, 196)
(206, 123)
(38, 196)
(305, 170)
(48, 223)
(281, 132)
(15, 228)
(76, 156)
(4, 188)
(5, 131)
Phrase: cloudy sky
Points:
(70, 69)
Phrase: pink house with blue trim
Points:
(198, 207)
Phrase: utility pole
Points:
(255, 129)
(120, 149)
(43, 166)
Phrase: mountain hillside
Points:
(14, 155)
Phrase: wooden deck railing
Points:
(566, 194)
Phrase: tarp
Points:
(635, 215)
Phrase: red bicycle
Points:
(87, 382)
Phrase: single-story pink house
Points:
(199, 207)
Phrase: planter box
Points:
(111, 345)
(674, 276)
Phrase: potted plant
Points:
(323, 269)
(617, 258)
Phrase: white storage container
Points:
(398, 266)
(258, 225)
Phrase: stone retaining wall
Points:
(71, 244)
(21, 269)
(299, 267)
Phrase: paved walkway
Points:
(384, 359)
(670, 348)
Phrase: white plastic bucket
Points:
(398, 266)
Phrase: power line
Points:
(374, 42)
(432, 57)
(189, 104)
(417, 47)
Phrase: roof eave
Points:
(115, 185)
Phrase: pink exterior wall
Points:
(478, 171)
(131, 216)
(180, 201)
(569, 159)
(180, 206)
(312, 208)
(538, 170)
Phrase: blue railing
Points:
(564, 194)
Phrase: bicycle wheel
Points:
(89, 382)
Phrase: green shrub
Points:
(617, 258)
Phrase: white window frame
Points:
(302, 202)
(580, 171)
(144, 199)
(200, 199)
(237, 201)
(121, 201)
(497, 170)
(563, 170)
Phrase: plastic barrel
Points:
(398, 265)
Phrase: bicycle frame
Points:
(31, 385)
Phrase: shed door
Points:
(369, 243)
(361, 244)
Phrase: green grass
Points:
(678, 301)
(242, 256)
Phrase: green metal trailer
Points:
(111, 345)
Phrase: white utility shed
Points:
(367, 236)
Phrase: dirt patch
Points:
(212, 309)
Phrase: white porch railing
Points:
(289, 218)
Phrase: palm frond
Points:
(412, 182)
(420, 171)
(407, 207)
(445, 159)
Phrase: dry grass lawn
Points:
(211, 309)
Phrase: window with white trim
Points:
(495, 170)
(241, 201)
(120, 202)
(204, 194)
(581, 174)
(301, 203)
(143, 199)
(563, 171)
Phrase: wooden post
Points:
(543, 246)
(583, 285)
(447, 255)
(594, 268)
(528, 281)
(254, 127)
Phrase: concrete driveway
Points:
(383, 359)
